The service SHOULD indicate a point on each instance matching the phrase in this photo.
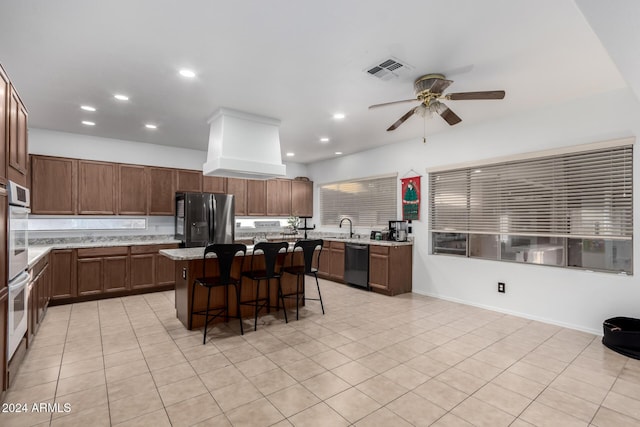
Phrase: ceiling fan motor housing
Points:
(427, 82)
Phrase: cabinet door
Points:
(17, 139)
(187, 180)
(336, 264)
(4, 308)
(165, 271)
(132, 190)
(97, 188)
(53, 185)
(325, 259)
(256, 197)
(214, 184)
(238, 187)
(378, 270)
(302, 198)
(143, 269)
(279, 197)
(4, 102)
(161, 191)
(46, 288)
(115, 276)
(89, 276)
(63, 277)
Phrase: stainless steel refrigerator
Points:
(204, 218)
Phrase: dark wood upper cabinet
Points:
(17, 153)
(214, 184)
(256, 197)
(162, 185)
(53, 185)
(302, 198)
(4, 102)
(238, 187)
(188, 180)
(279, 197)
(97, 188)
(132, 190)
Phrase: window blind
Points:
(584, 195)
(368, 202)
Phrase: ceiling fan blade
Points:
(490, 94)
(402, 119)
(393, 102)
(450, 117)
(440, 85)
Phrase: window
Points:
(368, 202)
(571, 209)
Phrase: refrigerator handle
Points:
(212, 215)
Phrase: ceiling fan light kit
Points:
(429, 91)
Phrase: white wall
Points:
(577, 299)
(52, 143)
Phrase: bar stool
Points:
(226, 254)
(270, 271)
(309, 252)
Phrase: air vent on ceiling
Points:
(388, 68)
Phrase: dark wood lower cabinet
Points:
(4, 308)
(390, 269)
(93, 273)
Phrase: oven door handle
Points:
(20, 281)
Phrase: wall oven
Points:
(17, 252)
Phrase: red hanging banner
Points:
(411, 198)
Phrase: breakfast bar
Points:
(188, 263)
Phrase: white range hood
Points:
(243, 145)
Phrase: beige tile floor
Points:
(370, 361)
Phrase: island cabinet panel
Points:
(238, 187)
(4, 308)
(53, 185)
(18, 156)
(162, 189)
(390, 269)
(302, 198)
(63, 274)
(279, 197)
(4, 114)
(188, 180)
(132, 190)
(97, 185)
(256, 197)
(214, 184)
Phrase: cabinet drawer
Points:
(151, 249)
(337, 245)
(376, 249)
(98, 252)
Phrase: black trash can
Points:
(622, 335)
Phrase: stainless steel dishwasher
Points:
(356, 265)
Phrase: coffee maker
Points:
(398, 230)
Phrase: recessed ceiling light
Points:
(88, 123)
(150, 126)
(187, 73)
(324, 139)
(87, 108)
(338, 153)
(339, 116)
(121, 97)
(290, 154)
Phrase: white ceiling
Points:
(296, 61)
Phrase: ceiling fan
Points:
(429, 90)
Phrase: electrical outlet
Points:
(184, 273)
(501, 287)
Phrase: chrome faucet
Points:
(350, 226)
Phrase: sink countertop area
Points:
(367, 241)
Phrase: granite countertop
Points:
(43, 247)
(367, 241)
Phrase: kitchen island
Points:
(188, 262)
